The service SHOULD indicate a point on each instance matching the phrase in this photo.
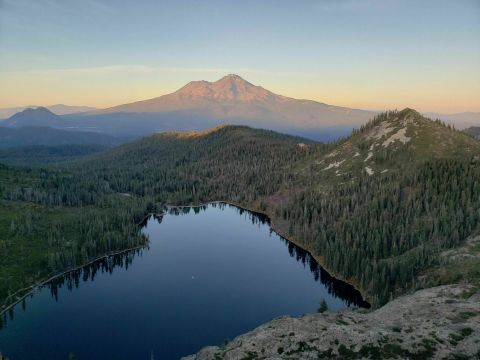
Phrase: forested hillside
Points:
(42, 154)
(43, 135)
(386, 201)
(58, 218)
(376, 208)
(234, 163)
(38, 240)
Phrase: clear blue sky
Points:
(362, 53)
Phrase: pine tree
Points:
(323, 306)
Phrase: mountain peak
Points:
(234, 100)
(38, 110)
(39, 116)
(44, 110)
(232, 77)
(408, 112)
(230, 88)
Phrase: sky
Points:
(370, 54)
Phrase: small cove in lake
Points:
(209, 274)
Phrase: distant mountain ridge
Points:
(200, 105)
(57, 109)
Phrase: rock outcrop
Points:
(437, 323)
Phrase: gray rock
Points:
(438, 323)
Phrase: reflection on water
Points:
(72, 279)
(204, 276)
(337, 288)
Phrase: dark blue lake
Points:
(208, 275)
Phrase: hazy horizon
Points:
(361, 54)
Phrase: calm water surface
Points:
(208, 275)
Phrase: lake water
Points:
(209, 274)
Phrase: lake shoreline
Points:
(30, 289)
(318, 258)
(4, 308)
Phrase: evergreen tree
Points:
(323, 306)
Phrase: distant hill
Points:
(61, 109)
(38, 135)
(200, 105)
(39, 116)
(230, 100)
(473, 131)
(41, 154)
(58, 109)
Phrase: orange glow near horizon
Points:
(367, 54)
(104, 88)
